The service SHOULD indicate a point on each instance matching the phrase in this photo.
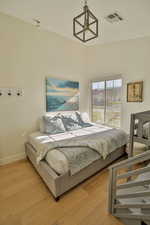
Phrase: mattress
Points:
(55, 158)
(146, 130)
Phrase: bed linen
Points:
(56, 159)
(40, 141)
(80, 147)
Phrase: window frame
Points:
(104, 79)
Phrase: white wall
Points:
(129, 58)
(27, 56)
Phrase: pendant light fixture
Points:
(85, 25)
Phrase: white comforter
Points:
(55, 158)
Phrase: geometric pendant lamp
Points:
(85, 25)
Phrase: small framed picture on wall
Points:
(135, 91)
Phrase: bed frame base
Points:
(59, 184)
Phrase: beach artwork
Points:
(61, 95)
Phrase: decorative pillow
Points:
(71, 122)
(53, 125)
(85, 117)
(41, 125)
(81, 122)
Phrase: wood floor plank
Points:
(25, 200)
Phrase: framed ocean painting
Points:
(61, 95)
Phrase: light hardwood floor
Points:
(25, 200)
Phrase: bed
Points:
(139, 130)
(66, 159)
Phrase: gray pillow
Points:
(53, 125)
(81, 122)
(71, 122)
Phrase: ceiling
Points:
(57, 15)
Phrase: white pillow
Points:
(85, 117)
(41, 125)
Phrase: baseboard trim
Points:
(12, 158)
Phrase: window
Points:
(106, 102)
